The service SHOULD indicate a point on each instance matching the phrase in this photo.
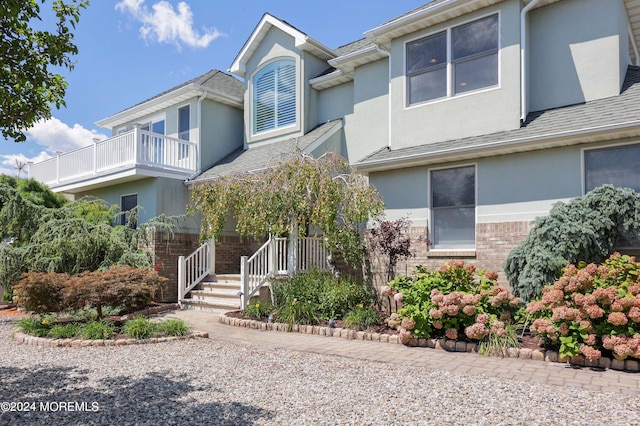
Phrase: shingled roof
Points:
(553, 127)
(263, 156)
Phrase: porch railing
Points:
(134, 148)
(194, 268)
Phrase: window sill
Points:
(451, 253)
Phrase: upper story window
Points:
(454, 61)
(274, 96)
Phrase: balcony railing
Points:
(127, 150)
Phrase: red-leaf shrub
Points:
(120, 285)
(40, 292)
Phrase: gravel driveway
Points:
(202, 381)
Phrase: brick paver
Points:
(509, 368)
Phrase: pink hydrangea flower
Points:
(451, 333)
(397, 297)
(617, 318)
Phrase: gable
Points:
(300, 41)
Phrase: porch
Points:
(136, 152)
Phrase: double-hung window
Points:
(183, 131)
(453, 61)
(127, 204)
(453, 204)
(274, 96)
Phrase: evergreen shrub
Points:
(587, 229)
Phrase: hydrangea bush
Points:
(454, 301)
(592, 308)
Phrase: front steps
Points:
(215, 293)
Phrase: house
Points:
(471, 117)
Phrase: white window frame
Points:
(450, 75)
(456, 247)
(183, 149)
(272, 64)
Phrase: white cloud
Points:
(164, 24)
(55, 135)
(9, 164)
(52, 135)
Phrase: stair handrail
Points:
(256, 270)
(193, 269)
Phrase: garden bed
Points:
(114, 330)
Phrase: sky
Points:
(131, 50)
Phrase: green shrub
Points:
(258, 310)
(36, 326)
(592, 308)
(65, 331)
(40, 292)
(587, 229)
(362, 318)
(95, 330)
(296, 312)
(310, 297)
(173, 327)
(139, 328)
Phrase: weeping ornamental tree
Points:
(47, 234)
(587, 229)
(299, 192)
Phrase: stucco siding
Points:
(465, 114)
(574, 53)
(221, 132)
(370, 109)
(146, 190)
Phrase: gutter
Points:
(524, 92)
(618, 127)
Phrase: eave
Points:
(167, 100)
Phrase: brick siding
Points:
(494, 241)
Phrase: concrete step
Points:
(216, 288)
(210, 306)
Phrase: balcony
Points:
(128, 156)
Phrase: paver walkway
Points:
(508, 368)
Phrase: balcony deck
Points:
(134, 153)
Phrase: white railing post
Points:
(182, 277)
(244, 280)
(292, 251)
(273, 257)
(212, 256)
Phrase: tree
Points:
(291, 196)
(28, 88)
(392, 239)
(587, 229)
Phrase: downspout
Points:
(633, 44)
(523, 60)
